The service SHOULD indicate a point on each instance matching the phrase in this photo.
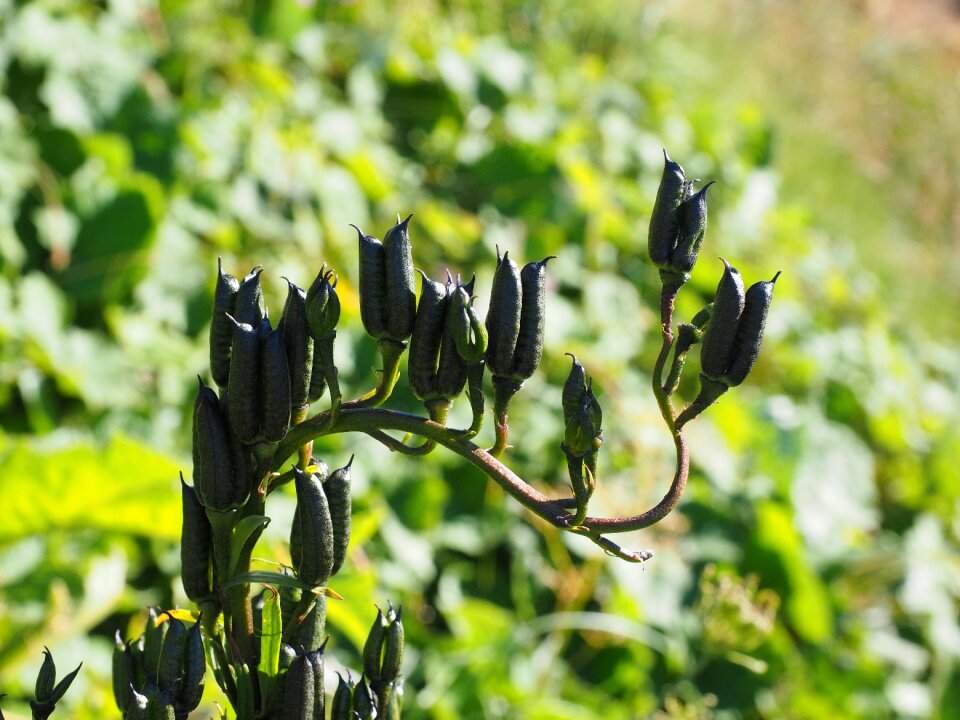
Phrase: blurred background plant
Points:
(139, 140)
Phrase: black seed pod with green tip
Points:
(338, 488)
(274, 387)
(401, 285)
(427, 335)
(693, 226)
(373, 284)
(529, 349)
(750, 331)
(221, 330)
(213, 473)
(298, 344)
(503, 316)
(373, 647)
(664, 220)
(248, 304)
(243, 388)
(468, 331)
(323, 304)
(584, 427)
(716, 348)
(195, 546)
(574, 390)
(298, 688)
(316, 529)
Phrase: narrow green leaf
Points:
(271, 632)
(265, 576)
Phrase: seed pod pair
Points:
(515, 319)
(731, 342)
(436, 369)
(303, 691)
(383, 650)
(582, 414)
(313, 556)
(221, 330)
(323, 314)
(388, 297)
(218, 485)
(47, 690)
(298, 344)
(678, 221)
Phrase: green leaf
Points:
(271, 632)
(245, 536)
(121, 486)
(265, 576)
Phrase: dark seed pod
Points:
(221, 330)
(750, 330)
(136, 706)
(393, 648)
(574, 390)
(503, 316)
(584, 428)
(342, 699)
(153, 644)
(716, 349)
(693, 225)
(243, 389)
(364, 700)
(664, 220)
(298, 698)
(46, 677)
(274, 387)
(316, 530)
(427, 336)
(160, 706)
(123, 673)
(373, 647)
(248, 304)
(298, 343)
(171, 655)
(287, 656)
(468, 331)
(323, 305)
(401, 285)
(296, 540)
(318, 381)
(529, 349)
(312, 631)
(213, 472)
(315, 658)
(338, 491)
(190, 688)
(688, 335)
(373, 285)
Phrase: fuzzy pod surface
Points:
(248, 306)
(750, 330)
(214, 476)
(716, 348)
(221, 330)
(692, 228)
(195, 546)
(529, 348)
(468, 331)
(373, 284)
(243, 389)
(323, 304)
(426, 339)
(503, 316)
(338, 491)
(400, 282)
(664, 220)
(316, 529)
(298, 691)
(298, 344)
(574, 389)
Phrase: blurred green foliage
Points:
(812, 570)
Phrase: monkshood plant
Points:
(266, 648)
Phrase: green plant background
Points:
(811, 571)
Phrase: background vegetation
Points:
(812, 570)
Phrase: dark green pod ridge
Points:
(153, 644)
(529, 348)
(717, 346)
(213, 463)
(393, 648)
(298, 689)
(195, 546)
(746, 347)
(323, 304)
(298, 344)
(664, 220)
(468, 331)
(171, 655)
(243, 388)
(221, 330)
(503, 316)
(338, 490)
(373, 647)
(401, 308)
(316, 529)
(248, 304)
(275, 400)
(692, 227)
(427, 336)
(190, 688)
(574, 390)
(123, 674)
(373, 285)
(364, 700)
(342, 702)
